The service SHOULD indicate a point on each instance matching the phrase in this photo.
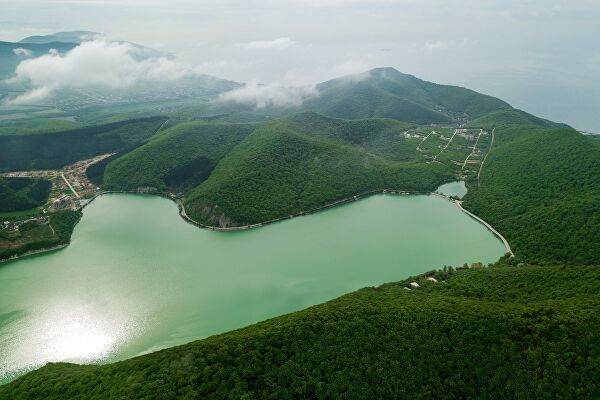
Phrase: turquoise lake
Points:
(137, 278)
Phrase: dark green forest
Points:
(56, 149)
(540, 187)
(388, 93)
(280, 170)
(167, 159)
(18, 194)
(502, 332)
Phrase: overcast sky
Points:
(540, 55)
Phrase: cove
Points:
(137, 278)
(457, 189)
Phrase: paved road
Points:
(69, 185)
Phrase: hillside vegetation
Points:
(35, 236)
(18, 194)
(235, 174)
(305, 161)
(501, 332)
(385, 92)
(540, 187)
(57, 149)
(180, 158)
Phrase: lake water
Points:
(137, 278)
(458, 189)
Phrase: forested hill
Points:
(540, 187)
(388, 93)
(236, 174)
(54, 150)
(17, 194)
(378, 93)
(490, 333)
(280, 171)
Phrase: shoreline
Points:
(34, 252)
(188, 219)
(345, 200)
(488, 226)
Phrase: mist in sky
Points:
(542, 56)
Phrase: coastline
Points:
(345, 200)
(481, 221)
(188, 219)
(34, 252)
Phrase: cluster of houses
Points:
(60, 203)
(12, 227)
(408, 135)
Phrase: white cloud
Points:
(94, 64)
(33, 96)
(21, 52)
(275, 44)
(271, 95)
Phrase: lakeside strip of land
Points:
(495, 232)
(478, 219)
(34, 252)
(345, 200)
(188, 219)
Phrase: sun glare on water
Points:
(76, 334)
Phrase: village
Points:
(71, 189)
(461, 148)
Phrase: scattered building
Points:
(61, 202)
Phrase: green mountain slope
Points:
(385, 92)
(17, 194)
(540, 187)
(235, 174)
(179, 158)
(57, 149)
(501, 332)
(379, 136)
(304, 161)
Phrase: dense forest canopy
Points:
(17, 194)
(56, 149)
(540, 187)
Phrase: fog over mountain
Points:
(523, 52)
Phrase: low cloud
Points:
(21, 52)
(271, 95)
(94, 64)
(275, 44)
